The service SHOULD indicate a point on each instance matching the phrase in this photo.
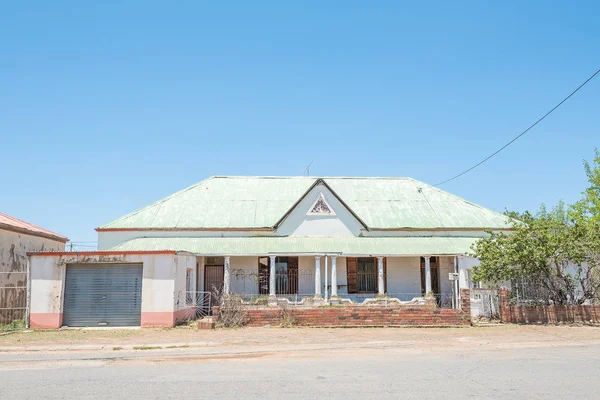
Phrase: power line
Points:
(521, 134)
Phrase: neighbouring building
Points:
(304, 241)
(17, 238)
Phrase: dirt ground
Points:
(510, 336)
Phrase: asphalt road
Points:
(568, 371)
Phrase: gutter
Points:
(99, 253)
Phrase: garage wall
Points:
(47, 281)
(158, 289)
(160, 272)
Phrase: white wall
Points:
(298, 223)
(47, 282)
(446, 267)
(244, 275)
(404, 275)
(158, 285)
(465, 263)
(200, 274)
(110, 239)
(182, 264)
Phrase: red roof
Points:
(12, 223)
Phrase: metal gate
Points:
(485, 304)
(13, 300)
(213, 282)
(103, 295)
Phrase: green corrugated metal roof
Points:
(405, 246)
(260, 202)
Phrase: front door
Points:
(213, 282)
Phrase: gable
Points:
(320, 213)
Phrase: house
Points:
(17, 238)
(304, 241)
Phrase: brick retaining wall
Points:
(362, 316)
(349, 316)
(546, 314)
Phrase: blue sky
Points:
(105, 108)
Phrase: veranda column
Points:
(381, 282)
(226, 276)
(318, 276)
(427, 275)
(333, 277)
(272, 276)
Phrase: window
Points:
(362, 275)
(366, 274)
(321, 207)
(215, 261)
(263, 275)
(189, 281)
(281, 275)
(470, 283)
(286, 275)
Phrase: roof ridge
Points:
(305, 177)
(459, 198)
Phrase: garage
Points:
(103, 295)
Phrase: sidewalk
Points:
(207, 347)
(280, 339)
(86, 347)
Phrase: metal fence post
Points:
(28, 295)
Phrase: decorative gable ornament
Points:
(321, 207)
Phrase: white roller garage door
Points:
(103, 295)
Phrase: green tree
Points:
(558, 249)
(585, 215)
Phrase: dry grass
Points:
(72, 336)
(147, 347)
